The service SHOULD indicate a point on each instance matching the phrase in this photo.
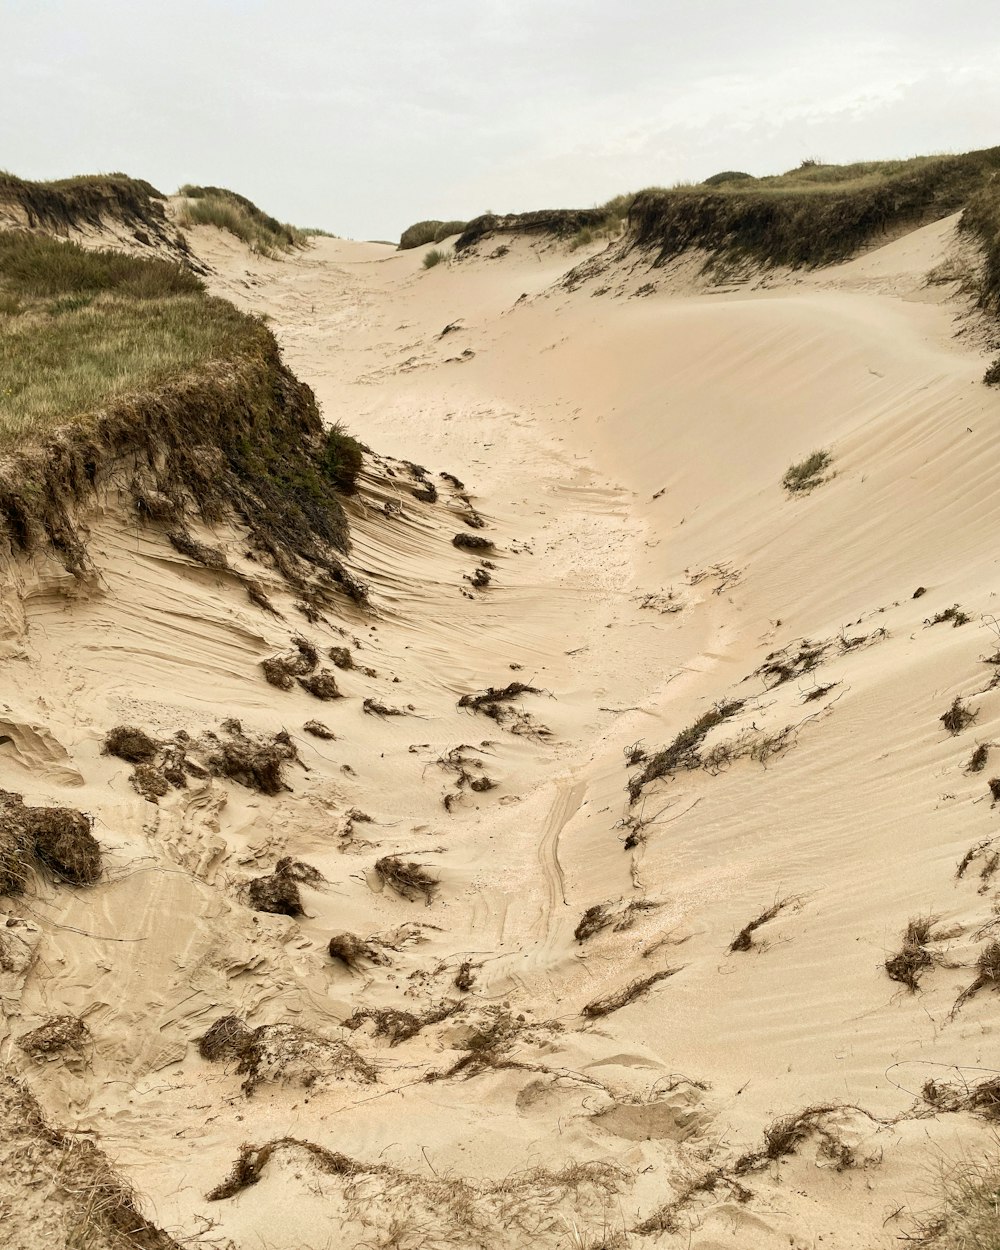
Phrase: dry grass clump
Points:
(228, 1038)
(251, 1161)
(63, 841)
(341, 657)
(278, 892)
(784, 1136)
(15, 844)
(907, 965)
(407, 878)
(59, 837)
(484, 700)
(618, 917)
(957, 717)
(130, 744)
(282, 1052)
(684, 751)
(987, 973)
(399, 1026)
(55, 1036)
(968, 1220)
(354, 951)
(743, 941)
(628, 994)
(472, 542)
(283, 670)
(977, 761)
(321, 685)
(789, 663)
(318, 730)
(375, 707)
(201, 553)
(953, 615)
(256, 763)
(465, 977)
(150, 782)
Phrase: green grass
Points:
(79, 328)
(228, 210)
(435, 257)
(807, 474)
(816, 214)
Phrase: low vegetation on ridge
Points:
(230, 211)
(106, 358)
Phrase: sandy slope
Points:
(627, 455)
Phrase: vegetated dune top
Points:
(582, 907)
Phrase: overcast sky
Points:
(363, 116)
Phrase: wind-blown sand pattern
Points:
(583, 1019)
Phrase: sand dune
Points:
(625, 456)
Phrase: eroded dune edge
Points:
(576, 831)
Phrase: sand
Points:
(626, 456)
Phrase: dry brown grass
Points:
(409, 879)
(958, 717)
(912, 959)
(628, 994)
(743, 941)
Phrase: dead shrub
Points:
(254, 763)
(907, 965)
(635, 989)
(473, 542)
(341, 657)
(481, 701)
(987, 973)
(954, 615)
(282, 1052)
(973, 851)
(791, 662)
(352, 951)
(319, 730)
(277, 893)
(408, 879)
(150, 782)
(618, 917)
(743, 941)
(321, 685)
(15, 845)
(980, 755)
(465, 977)
(957, 717)
(228, 1038)
(399, 1026)
(130, 744)
(251, 1161)
(55, 1036)
(784, 1136)
(374, 707)
(63, 841)
(279, 671)
(200, 553)
(684, 751)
